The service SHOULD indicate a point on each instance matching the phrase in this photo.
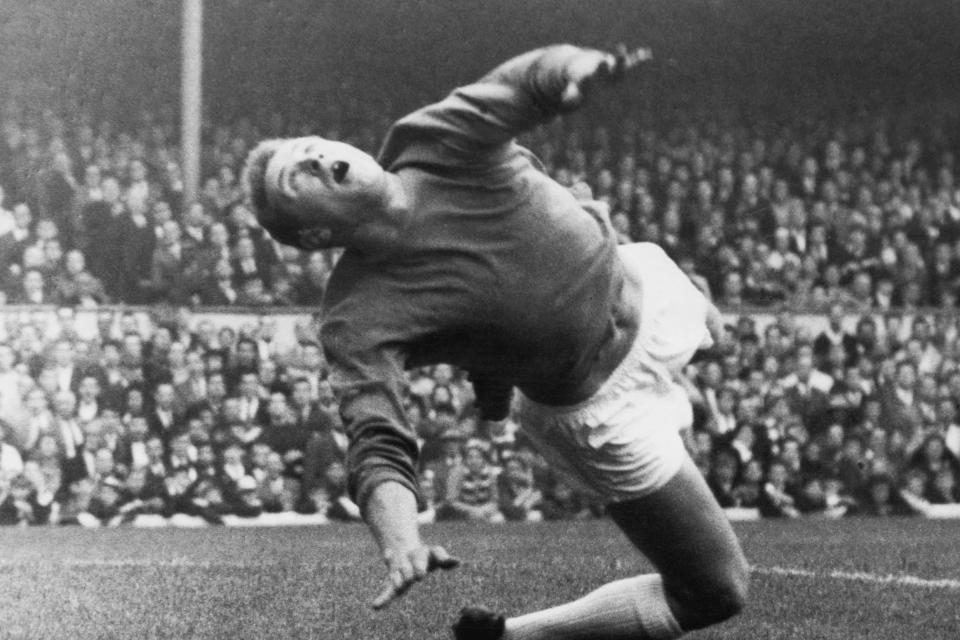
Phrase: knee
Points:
(713, 597)
(732, 589)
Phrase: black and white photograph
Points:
(463, 320)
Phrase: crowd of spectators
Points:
(857, 417)
(163, 419)
(854, 217)
(90, 216)
(170, 414)
(860, 207)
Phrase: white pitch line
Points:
(900, 580)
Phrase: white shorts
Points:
(624, 441)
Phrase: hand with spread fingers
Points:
(616, 64)
(601, 67)
(407, 568)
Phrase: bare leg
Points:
(702, 580)
(686, 535)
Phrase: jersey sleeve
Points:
(367, 379)
(488, 114)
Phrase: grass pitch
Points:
(813, 579)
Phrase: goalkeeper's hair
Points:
(271, 215)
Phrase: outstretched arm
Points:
(366, 374)
(519, 94)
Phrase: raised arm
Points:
(519, 94)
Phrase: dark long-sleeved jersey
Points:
(498, 270)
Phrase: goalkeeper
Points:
(459, 249)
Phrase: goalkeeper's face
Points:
(325, 183)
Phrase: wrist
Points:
(391, 513)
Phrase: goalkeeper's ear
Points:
(268, 208)
(254, 179)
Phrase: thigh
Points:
(686, 535)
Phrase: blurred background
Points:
(115, 57)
